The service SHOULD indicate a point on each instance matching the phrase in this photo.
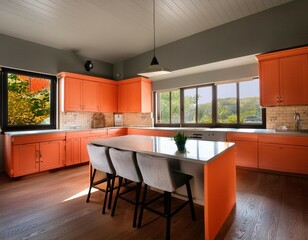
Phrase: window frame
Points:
(214, 123)
(4, 101)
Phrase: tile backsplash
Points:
(275, 118)
(284, 116)
(68, 120)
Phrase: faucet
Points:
(297, 119)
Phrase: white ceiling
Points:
(115, 30)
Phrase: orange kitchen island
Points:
(219, 172)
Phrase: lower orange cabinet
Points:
(246, 149)
(35, 157)
(33, 153)
(26, 159)
(72, 151)
(284, 158)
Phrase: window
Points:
(250, 111)
(168, 107)
(29, 100)
(198, 105)
(235, 104)
(226, 103)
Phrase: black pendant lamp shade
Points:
(154, 69)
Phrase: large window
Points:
(235, 104)
(29, 100)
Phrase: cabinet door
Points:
(52, 155)
(26, 159)
(246, 154)
(123, 98)
(294, 79)
(108, 98)
(90, 96)
(72, 151)
(134, 100)
(269, 83)
(284, 158)
(84, 156)
(72, 94)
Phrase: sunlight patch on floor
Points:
(80, 194)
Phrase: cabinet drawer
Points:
(37, 138)
(283, 158)
(248, 137)
(70, 135)
(281, 139)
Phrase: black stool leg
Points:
(106, 192)
(168, 213)
(191, 204)
(111, 191)
(91, 184)
(142, 205)
(117, 195)
(138, 189)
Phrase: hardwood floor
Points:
(269, 206)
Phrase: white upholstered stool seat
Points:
(156, 173)
(100, 160)
(126, 167)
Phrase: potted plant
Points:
(180, 140)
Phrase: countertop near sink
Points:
(236, 130)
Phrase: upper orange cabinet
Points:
(135, 95)
(85, 93)
(284, 77)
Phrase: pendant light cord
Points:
(154, 24)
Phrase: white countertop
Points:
(236, 130)
(198, 151)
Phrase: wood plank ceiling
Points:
(115, 30)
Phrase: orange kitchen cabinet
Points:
(246, 149)
(79, 95)
(85, 93)
(108, 98)
(269, 83)
(84, 156)
(26, 159)
(72, 154)
(283, 158)
(84, 140)
(90, 96)
(135, 95)
(52, 155)
(33, 153)
(284, 77)
(72, 94)
(283, 153)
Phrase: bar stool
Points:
(126, 167)
(156, 173)
(100, 160)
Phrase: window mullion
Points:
(196, 113)
(238, 102)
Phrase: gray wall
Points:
(24, 55)
(244, 72)
(281, 27)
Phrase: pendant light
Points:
(154, 69)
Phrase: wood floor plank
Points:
(269, 206)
